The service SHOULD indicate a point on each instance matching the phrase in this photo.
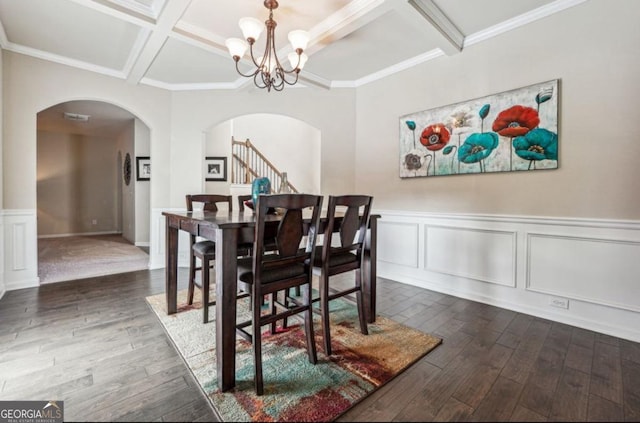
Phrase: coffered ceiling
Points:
(179, 44)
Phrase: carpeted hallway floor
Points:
(79, 257)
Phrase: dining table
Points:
(228, 230)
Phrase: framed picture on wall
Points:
(143, 168)
(215, 168)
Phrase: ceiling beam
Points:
(350, 18)
(452, 38)
(167, 19)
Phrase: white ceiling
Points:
(179, 44)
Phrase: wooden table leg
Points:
(226, 283)
(370, 271)
(171, 269)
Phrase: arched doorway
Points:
(86, 214)
(291, 145)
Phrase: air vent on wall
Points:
(76, 117)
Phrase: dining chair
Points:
(269, 273)
(204, 250)
(241, 200)
(345, 254)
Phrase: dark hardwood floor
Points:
(95, 344)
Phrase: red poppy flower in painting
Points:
(435, 136)
(516, 121)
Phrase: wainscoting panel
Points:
(602, 271)
(20, 249)
(582, 272)
(484, 255)
(157, 259)
(3, 289)
(401, 240)
(19, 242)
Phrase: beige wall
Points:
(77, 181)
(330, 112)
(142, 144)
(593, 49)
(31, 85)
(2, 284)
(291, 145)
(126, 145)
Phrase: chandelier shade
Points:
(269, 72)
(251, 28)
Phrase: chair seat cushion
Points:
(334, 259)
(204, 248)
(245, 271)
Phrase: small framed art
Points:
(143, 168)
(215, 168)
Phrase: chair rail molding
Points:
(577, 271)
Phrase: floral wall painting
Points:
(509, 131)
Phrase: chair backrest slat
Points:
(290, 230)
(209, 202)
(353, 224)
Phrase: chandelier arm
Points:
(257, 82)
(249, 75)
(279, 80)
(292, 82)
(253, 58)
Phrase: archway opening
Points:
(87, 193)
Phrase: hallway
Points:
(79, 257)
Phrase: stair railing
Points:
(248, 163)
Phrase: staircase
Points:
(248, 163)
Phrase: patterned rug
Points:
(294, 389)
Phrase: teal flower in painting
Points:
(412, 126)
(537, 144)
(477, 147)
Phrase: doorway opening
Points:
(88, 203)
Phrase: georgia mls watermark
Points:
(31, 411)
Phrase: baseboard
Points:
(80, 234)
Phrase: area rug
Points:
(294, 389)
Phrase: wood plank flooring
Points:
(95, 344)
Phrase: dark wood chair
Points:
(204, 250)
(344, 255)
(241, 199)
(269, 273)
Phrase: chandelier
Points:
(269, 72)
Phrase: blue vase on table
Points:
(259, 186)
